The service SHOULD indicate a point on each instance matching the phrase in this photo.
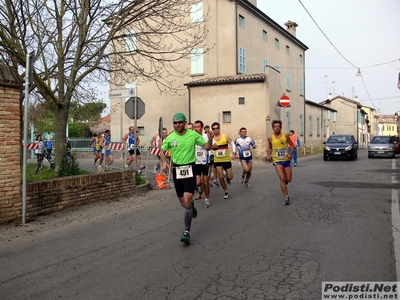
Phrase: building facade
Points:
(252, 62)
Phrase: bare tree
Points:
(79, 43)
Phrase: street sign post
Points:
(284, 101)
(130, 107)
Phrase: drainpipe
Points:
(237, 38)
(190, 104)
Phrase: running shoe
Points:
(241, 180)
(198, 197)
(247, 185)
(216, 184)
(207, 202)
(94, 163)
(287, 200)
(185, 237)
(226, 196)
(125, 166)
(295, 165)
(194, 210)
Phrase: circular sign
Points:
(48, 135)
(284, 101)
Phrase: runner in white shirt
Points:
(244, 144)
(202, 166)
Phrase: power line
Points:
(327, 36)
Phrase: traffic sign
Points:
(130, 107)
(121, 93)
(284, 101)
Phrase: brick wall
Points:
(45, 197)
(10, 145)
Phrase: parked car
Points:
(382, 145)
(397, 144)
(341, 146)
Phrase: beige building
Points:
(252, 62)
(351, 118)
(319, 123)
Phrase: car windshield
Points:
(340, 139)
(380, 140)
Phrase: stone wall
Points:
(48, 196)
(10, 145)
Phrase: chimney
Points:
(291, 27)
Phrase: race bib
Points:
(281, 153)
(219, 153)
(201, 154)
(132, 146)
(247, 153)
(183, 172)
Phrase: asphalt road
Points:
(337, 228)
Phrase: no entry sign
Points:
(284, 101)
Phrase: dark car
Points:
(382, 145)
(341, 146)
(397, 145)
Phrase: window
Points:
(196, 12)
(311, 125)
(289, 120)
(242, 60)
(301, 87)
(288, 81)
(287, 50)
(278, 68)
(241, 21)
(276, 44)
(302, 124)
(241, 100)
(197, 61)
(318, 127)
(334, 116)
(328, 115)
(265, 37)
(130, 41)
(265, 64)
(226, 117)
(301, 59)
(140, 130)
(325, 127)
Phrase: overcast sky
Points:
(365, 32)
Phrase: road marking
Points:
(396, 222)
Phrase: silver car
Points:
(382, 145)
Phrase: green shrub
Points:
(69, 167)
(138, 179)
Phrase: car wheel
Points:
(369, 156)
(325, 158)
(353, 156)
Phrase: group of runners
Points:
(192, 161)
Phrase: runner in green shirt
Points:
(182, 143)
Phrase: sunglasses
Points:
(178, 122)
(215, 128)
